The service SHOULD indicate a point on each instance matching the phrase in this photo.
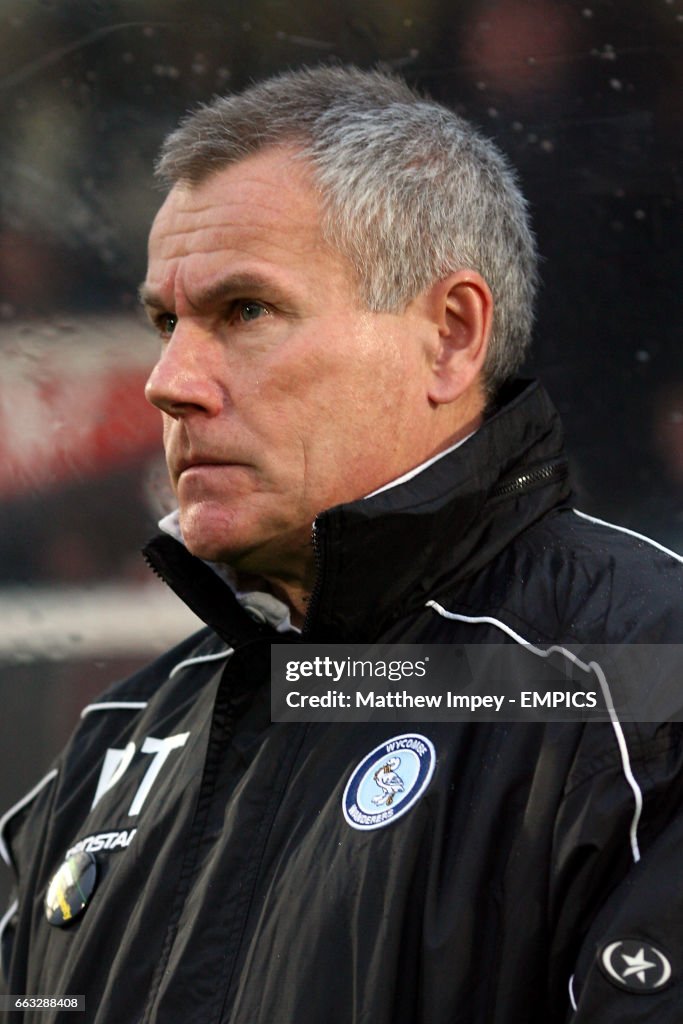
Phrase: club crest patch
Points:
(635, 965)
(389, 781)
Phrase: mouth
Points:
(185, 465)
(203, 462)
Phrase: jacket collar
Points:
(382, 557)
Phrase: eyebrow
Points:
(235, 286)
(146, 297)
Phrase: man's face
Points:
(281, 394)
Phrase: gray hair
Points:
(412, 191)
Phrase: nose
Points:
(184, 379)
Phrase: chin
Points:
(210, 538)
(214, 535)
(216, 549)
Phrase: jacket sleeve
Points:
(627, 895)
(630, 965)
(22, 836)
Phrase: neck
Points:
(295, 592)
(292, 591)
(296, 596)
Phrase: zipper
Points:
(318, 581)
(549, 473)
(198, 586)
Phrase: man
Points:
(342, 277)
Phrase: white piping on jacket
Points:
(15, 808)
(591, 666)
(572, 1000)
(199, 659)
(7, 917)
(630, 533)
(133, 705)
(112, 705)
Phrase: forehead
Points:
(264, 209)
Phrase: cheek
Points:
(166, 430)
(291, 395)
(338, 381)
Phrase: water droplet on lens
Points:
(607, 52)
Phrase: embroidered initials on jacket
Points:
(116, 763)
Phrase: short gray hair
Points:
(412, 191)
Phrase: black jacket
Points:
(526, 878)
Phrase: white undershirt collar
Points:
(418, 469)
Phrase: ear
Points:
(461, 308)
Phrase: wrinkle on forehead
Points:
(277, 172)
(259, 241)
(229, 209)
(263, 199)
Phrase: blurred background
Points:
(586, 99)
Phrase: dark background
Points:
(584, 97)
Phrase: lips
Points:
(203, 462)
(198, 461)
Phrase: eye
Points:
(250, 310)
(165, 324)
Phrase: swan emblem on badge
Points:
(388, 781)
